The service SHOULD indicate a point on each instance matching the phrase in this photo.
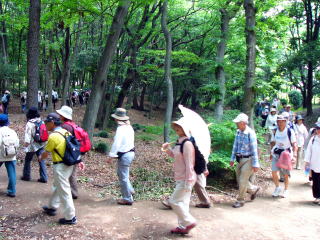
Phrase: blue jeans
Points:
(123, 174)
(11, 171)
(27, 166)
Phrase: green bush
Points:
(158, 130)
(101, 147)
(295, 98)
(102, 134)
(145, 137)
(283, 101)
(137, 127)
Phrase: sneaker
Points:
(68, 222)
(284, 194)
(316, 201)
(166, 204)
(203, 205)
(49, 211)
(124, 202)
(11, 195)
(42, 180)
(183, 231)
(276, 192)
(238, 204)
(25, 179)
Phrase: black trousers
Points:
(316, 184)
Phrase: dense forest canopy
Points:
(117, 49)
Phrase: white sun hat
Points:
(66, 112)
(184, 123)
(242, 117)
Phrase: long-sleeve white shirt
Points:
(301, 134)
(123, 140)
(313, 153)
(29, 134)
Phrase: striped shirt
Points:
(245, 144)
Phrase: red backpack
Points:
(82, 136)
(41, 134)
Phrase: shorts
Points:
(275, 158)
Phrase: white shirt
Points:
(313, 153)
(271, 122)
(281, 139)
(302, 134)
(123, 140)
(28, 136)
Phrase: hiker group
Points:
(289, 140)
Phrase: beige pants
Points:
(61, 190)
(73, 182)
(300, 157)
(179, 201)
(200, 189)
(245, 177)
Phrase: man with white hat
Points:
(245, 152)
(66, 116)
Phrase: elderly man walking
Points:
(245, 152)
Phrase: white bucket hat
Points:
(120, 114)
(66, 112)
(182, 122)
(241, 118)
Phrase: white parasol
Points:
(199, 130)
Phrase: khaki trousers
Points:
(245, 177)
(179, 201)
(73, 183)
(61, 190)
(200, 189)
(300, 157)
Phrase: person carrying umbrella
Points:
(245, 152)
(184, 175)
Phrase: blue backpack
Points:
(72, 155)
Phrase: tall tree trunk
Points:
(309, 89)
(3, 47)
(66, 68)
(33, 53)
(249, 91)
(167, 75)
(100, 80)
(219, 71)
(49, 76)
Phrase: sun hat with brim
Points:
(242, 117)
(65, 112)
(288, 105)
(52, 117)
(4, 120)
(120, 114)
(273, 110)
(182, 122)
(7, 92)
(281, 118)
(299, 117)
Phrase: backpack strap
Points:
(289, 135)
(64, 138)
(182, 143)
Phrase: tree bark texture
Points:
(167, 75)
(249, 88)
(33, 53)
(100, 78)
(66, 68)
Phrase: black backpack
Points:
(72, 155)
(200, 163)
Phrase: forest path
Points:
(295, 217)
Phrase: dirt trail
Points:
(265, 218)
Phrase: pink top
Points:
(183, 163)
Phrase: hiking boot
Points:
(276, 192)
(166, 204)
(11, 195)
(42, 180)
(25, 179)
(203, 205)
(49, 211)
(68, 222)
(254, 195)
(183, 231)
(124, 202)
(238, 204)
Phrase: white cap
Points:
(182, 122)
(66, 112)
(285, 114)
(273, 110)
(241, 118)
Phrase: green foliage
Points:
(145, 137)
(102, 134)
(150, 184)
(138, 127)
(295, 98)
(101, 147)
(283, 101)
(158, 130)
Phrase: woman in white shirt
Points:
(271, 123)
(313, 163)
(301, 134)
(123, 149)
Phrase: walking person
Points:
(283, 153)
(33, 147)
(245, 152)
(9, 142)
(56, 145)
(123, 149)
(184, 176)
(301, 134)
(23, 101)
(5, 100)
(271, 123)
(312, 162)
